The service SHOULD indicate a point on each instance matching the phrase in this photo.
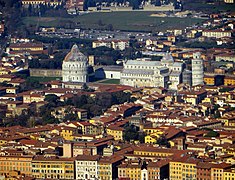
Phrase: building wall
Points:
(18, 163)
(105, 171)
(109, 74)
(86, 169)
(197, 70)
(180, 170)
(216, 34)
(117, 134)
(46, 72)
(54, 169)
(74, 71)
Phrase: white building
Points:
(115, 44)
(146, 73)
(86, 167)
(74, 68)
(108, 72)
(197, 69)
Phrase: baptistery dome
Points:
(74, 67)
(167, 59)
(75, 55)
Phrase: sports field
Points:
(132, 21)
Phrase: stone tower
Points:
(197, 69)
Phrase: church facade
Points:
(146, 73)
(74, 67)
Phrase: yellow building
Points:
(183, 168)
(4, 71)
(3, 140)
(66, 132)
(217, 171)
(42, 2)
(229, 80)
(209, 80)
(107, 166)
(29, 98)
(152, 130)
(16, 163)
(229, 174)
(6, 78)
(151, 139)
(27, 46)
(228, 121)
(217, 33)
(53, 168)
(229, 1)
(131, 171)
(116, 132)
(147, 150)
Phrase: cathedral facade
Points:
(74, 67)
(146, 73)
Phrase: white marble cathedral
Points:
(146, 73)
(74, 67)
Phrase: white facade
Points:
(145, 73)
(197, 69)
(115, 44)
(144, 174)
(86, 169)
(74, 67)
(108, 72)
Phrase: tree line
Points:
(95, 106)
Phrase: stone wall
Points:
(46, 72)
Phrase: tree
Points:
(52, 98)
(71, 117)
(158, 3)
(212, 134)
(100, 22)
(110, 27)
(162, 141)
(130, 133)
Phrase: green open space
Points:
(127, 21)
(111, 81)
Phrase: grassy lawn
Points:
(111, 81)
(43, 79)
(134, 21)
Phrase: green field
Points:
(111, 81)
(133, 21)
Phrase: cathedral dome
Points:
(75, 55)
(167, 58)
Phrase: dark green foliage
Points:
(212, 134)
(96, 105)
(71, 117)
(51, 98)
(5, 84)
(225, 89)
(45, 111)
(132, 132)
(32, 84)
(104, 55)
(65, 43)
(205, 45)
(162, 141)
(120, 97)
(217, 114)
